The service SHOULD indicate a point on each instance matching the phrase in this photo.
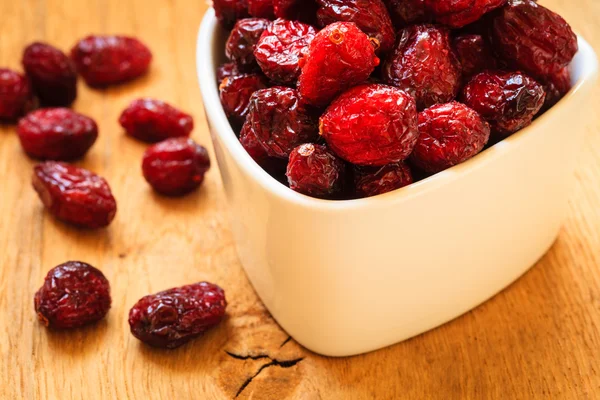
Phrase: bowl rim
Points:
(206, 72)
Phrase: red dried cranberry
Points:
(407, 12)
(153, 120)
(425, 65)
(369, 181)
(370, 16)
(474, 54)
(315, 171)
(74, 195)
(173, 317)
(229, 11)
(339, 57)
(52, 74)
(235, 94)
(15, 95)
(228, 70)
(556, 87)
(449, 134)
(371, 125)
(458, 13)
(107, 60)
(242, 41)
(73, 294)
(57, 134)
(175, 166)
(280, 48)
(261, 8)
(279, 122)
(534, 38)
(296, 10)
(507, 100)
(251, 144)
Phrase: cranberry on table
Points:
(371, 125)
(407, 12)
(16, 97)
(74, 294)
(74, 195)
(108, 60)
(52, 74)
(535, 39)
(371, 17)
(261, 9)
(175, 166)
(242, 41)
(235, 93)
(474, 53)
(339, 57)
(373, 181)
(296, 10)
(229, 11)
(228, 70)
(556, 86)
(280, 48)
(424, 65)
(152, 120)
(315, 171)
(507, 100)
(449, 134)
(173, 317)
(458, 13)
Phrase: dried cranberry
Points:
(407, 12)
(153, 120)
(507, 100)
(107, 60)
(74, 195)
(229, 11)
(15, 95)
(315, 171)
(173, 317)
(52, 74)
(296, 10)
(279, 122)
(235, 94)
(242, 41)
(261, 9)
(458, 13)
(57, 134)
(449, 134)
(228, 70)
(175, 166)
(474, 54)
(73, 294)
(556, 87)
(370, 16)
(280, 48)
(425, 65)
(534, 38)
(371, 125)
(369, 181)
(339, 57)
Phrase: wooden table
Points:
(537, 339)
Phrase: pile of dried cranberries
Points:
(350, 97)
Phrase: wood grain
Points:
(537, 339)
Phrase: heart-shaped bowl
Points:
(347, 277)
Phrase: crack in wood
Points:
(285, 341)
(248, 357)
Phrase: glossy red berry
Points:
(459, 13)
(16, 97)
(261, 9)
(173, 317)
(474, 53)
(108, 60)
(339, 57)
(424, 65)
(74, 195)
(228, 70)
(175, 166)
(229, 11)
(373, 181)
(252, 146)
(57, 134)
(371, 125)
(153, 120)
(73, 294)
(407, 12)
(242, 41)
(235, 94)
(296, 10)
(449, 134)
(315, 171)
(556, 87)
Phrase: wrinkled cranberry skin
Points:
(229, 11)
(175, 167)
(279, 121)
(228, 70)
(261, 9)
(74, 294)
(173, 317)
(407, 12)
(252, 146)
(424, 65)
(339, 57)
(315, 171)
(280, 48)
(507, 100)
(556, 87)
(449, 134)
(235, 94)
(458, 13)
(16, 97)
(296, 10)
(242, 41)
(57, 134)
(153, 120)
(52, 74)
(371, 125)
(74, 195)
(108, 60)
(371, 17)
(474, 53)
(369, 181)
(535, 39)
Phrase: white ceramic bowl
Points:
(347, 277)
